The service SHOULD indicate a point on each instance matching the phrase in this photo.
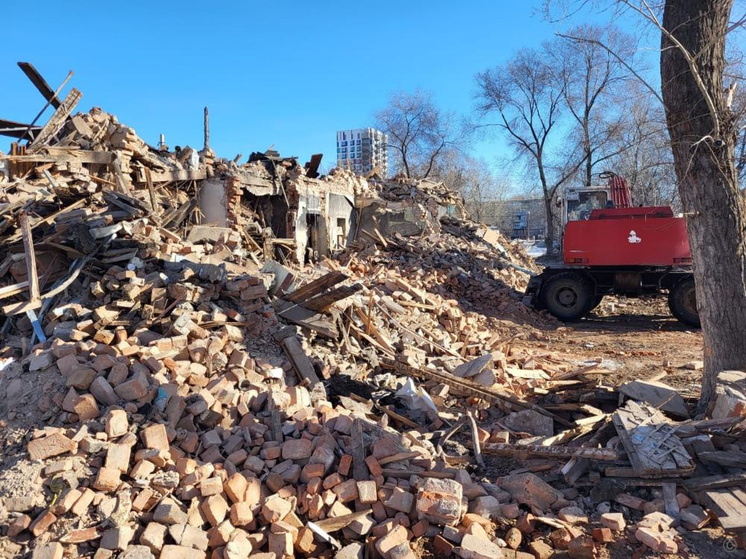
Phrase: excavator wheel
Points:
(569, 296)
(682, 300)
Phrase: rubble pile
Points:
(171, 390)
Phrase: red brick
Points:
(275, 509)
(400, 500)
(134, 389)
(215, 509)
(311, 471)
(116, 423)
(391, 539)
(118, 457)
(86, 407)
(367, 492)
(82, 504)
(296, 449)
(613, 520)
(154, 536)
(117, 539)
(235, 487)
(630, 501)
(211, 486)
(241, 514)
(42, 523)
(373, 466)
(281, 544)
(478, 547)
(18, 525)
(438, 501)
(107, 480)
(332, 480)
(345, 463)
(155, 436)
(52, 550)
(603, 535)
(51, 445)
(180, 552)
(103, 391)
(346, 491)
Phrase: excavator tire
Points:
(568, 295)
(682, 300)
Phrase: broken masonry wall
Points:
(407, 218)
(324, 218)
(340, 219)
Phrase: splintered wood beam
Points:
(28, 247)
(301, 363)
(514, 450)
(40, 83)
(16, 129)
(322, 302)
(57, 121)
(359, 469)
(340, 522)
(315, 287)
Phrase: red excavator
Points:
(610, 247)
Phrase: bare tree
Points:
(644, 156)
(594, 80)
(526, 99)
(483, 191)
(419, 132)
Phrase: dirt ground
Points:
(635, 338)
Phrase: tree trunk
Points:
(550, 223)
(707, 178)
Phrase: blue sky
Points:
(287, 74)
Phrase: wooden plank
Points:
(180, 175)
(322, 302)
(40, 83)
(307, 319)
(276, 426)
(657, 395)
(28, 247)
(16, 129)
(301, 363)
(728, 508)
(669, 499)
(15, 289)
(339, 522)
(406, 474)
(398, 457)
(57, 121)
(650, 441)
(317, 286)
(22, 307)
(714, 482)
(730, 459)
(517, 450)
(359, 468)
(151, 192)
(64, 155)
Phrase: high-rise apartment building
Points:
(363, 150)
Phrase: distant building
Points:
(522, 219)
(363, 150)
